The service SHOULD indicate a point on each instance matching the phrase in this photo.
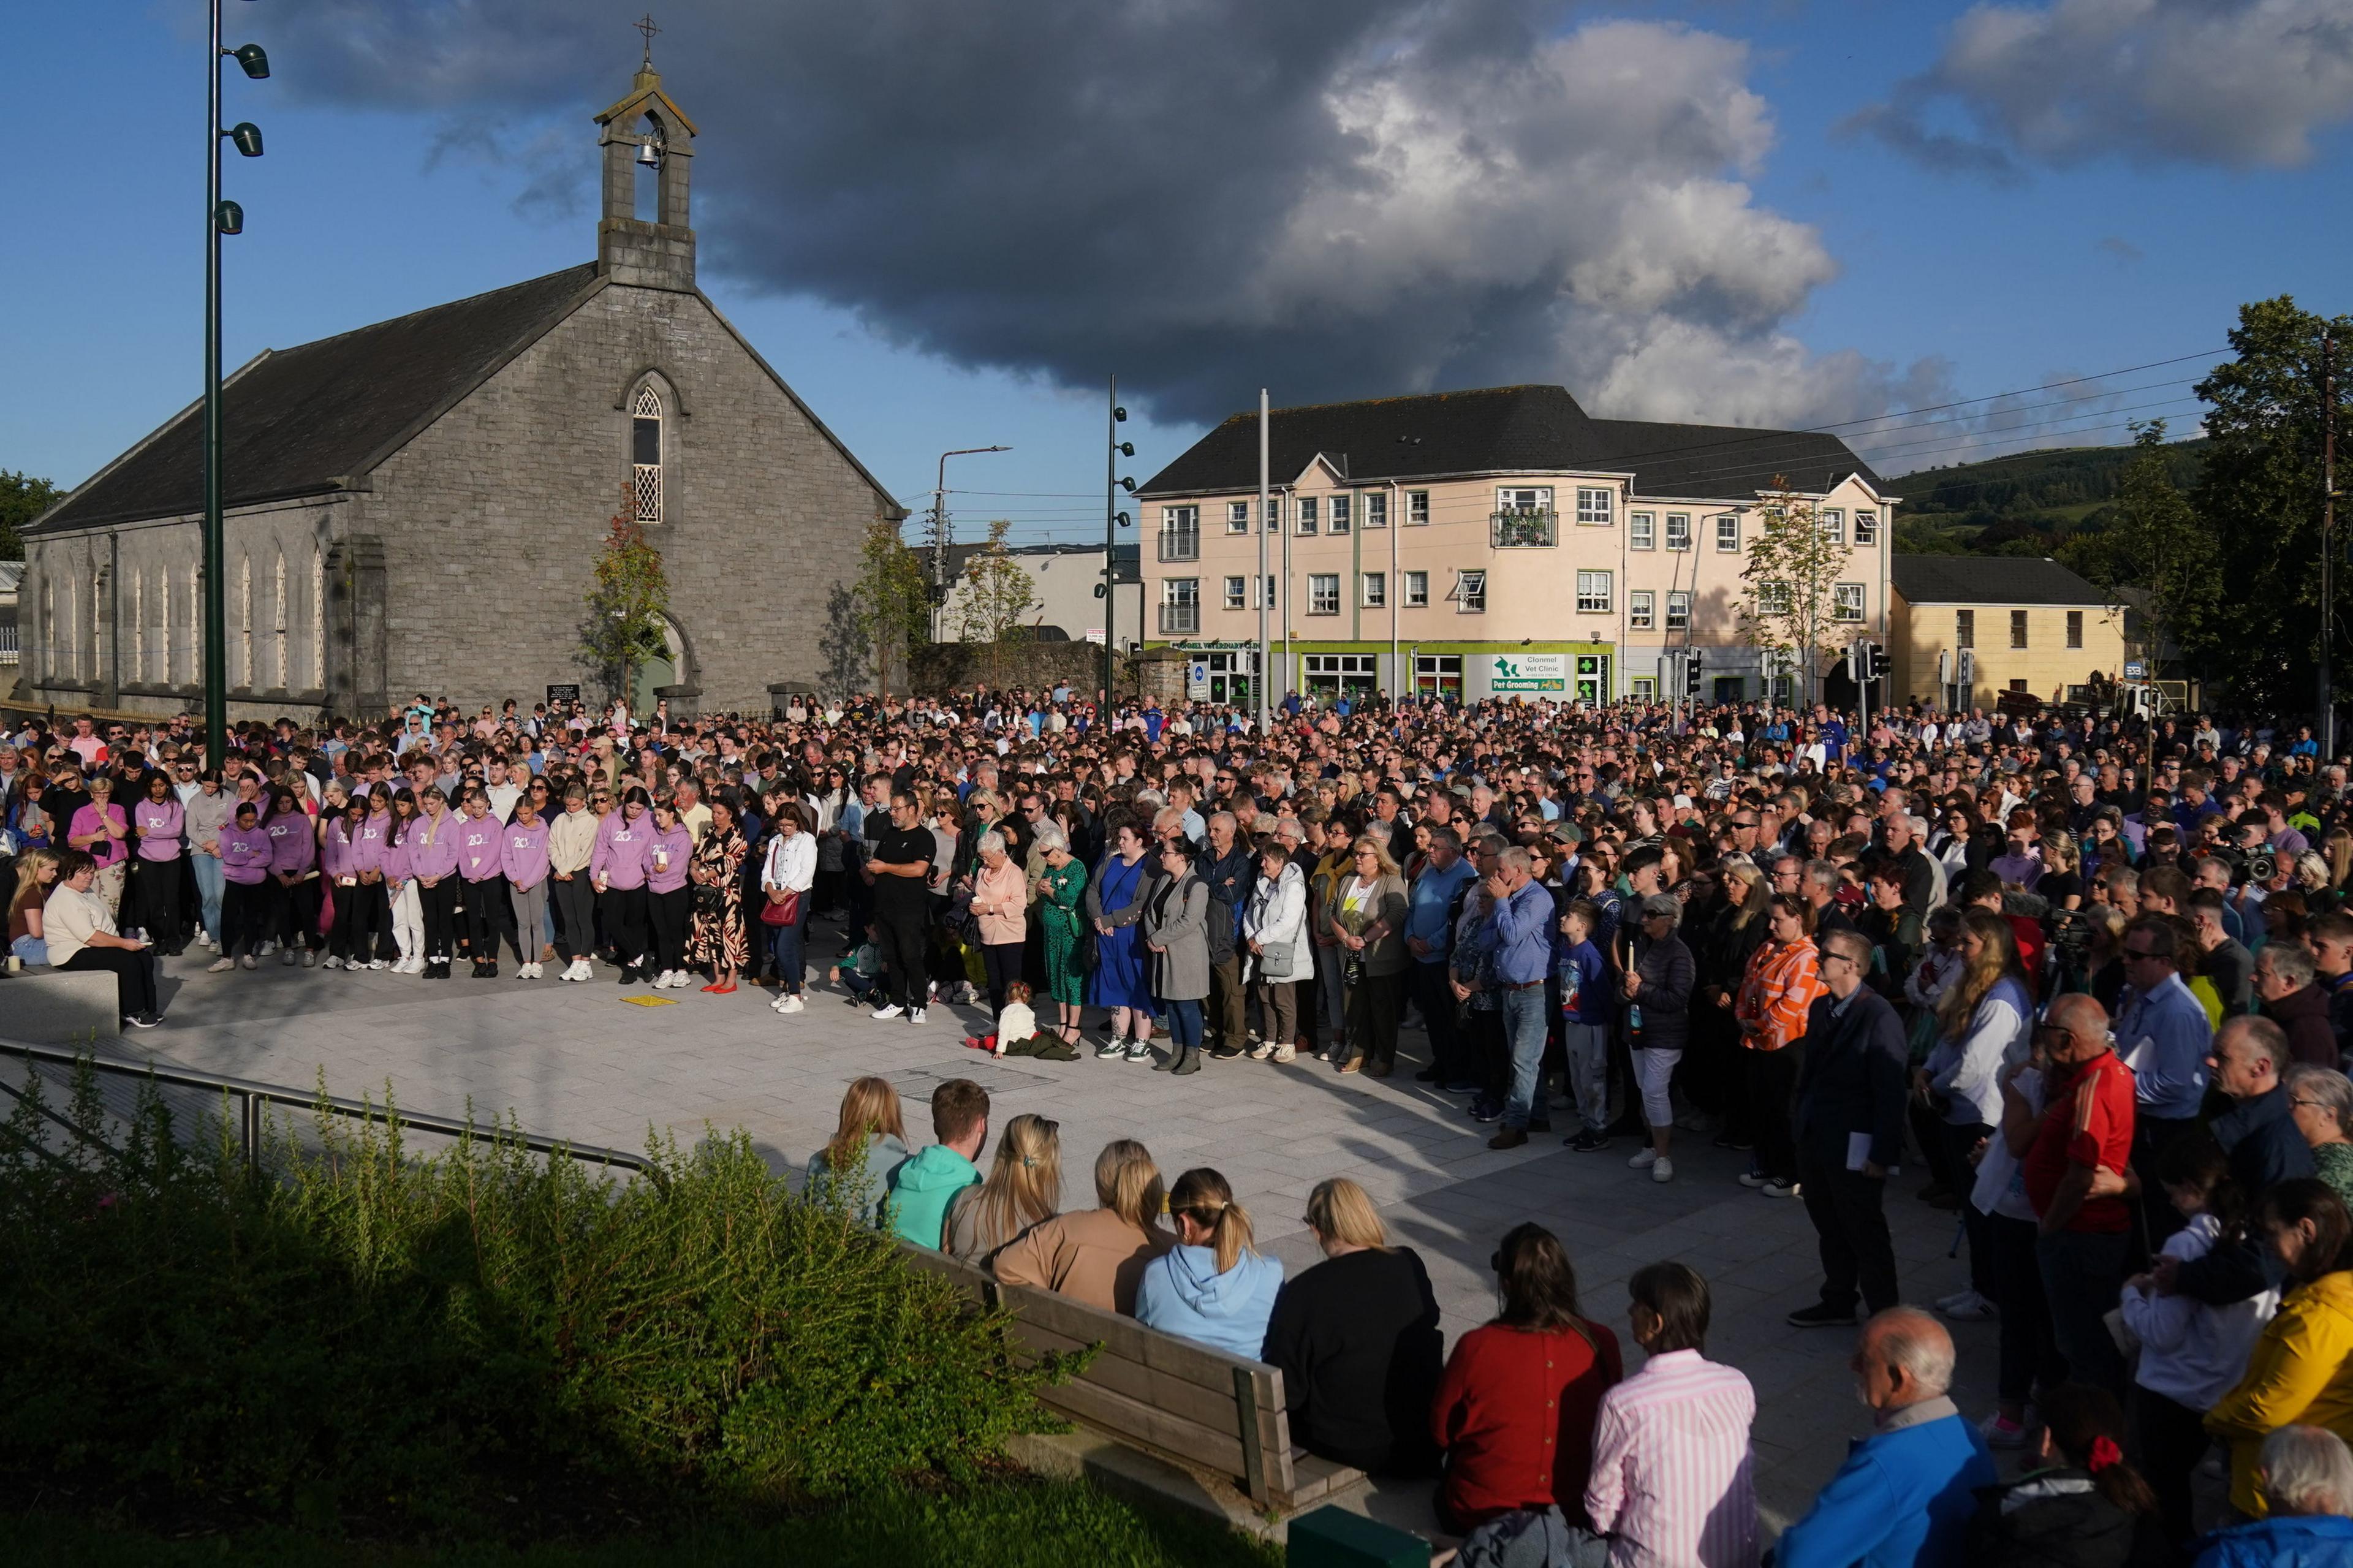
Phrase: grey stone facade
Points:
(453, 558)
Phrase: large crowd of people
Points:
(2093, 977)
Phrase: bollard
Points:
(1334, 1538)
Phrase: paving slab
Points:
(578, 1061)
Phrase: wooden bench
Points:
(1176, 1399)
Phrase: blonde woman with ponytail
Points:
(1099, 1256)
(1024, 1189)
(1214, 1286)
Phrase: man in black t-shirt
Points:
(900, 872)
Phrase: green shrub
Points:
(352, 1331)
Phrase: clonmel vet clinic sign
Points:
(1543, 672)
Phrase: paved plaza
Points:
(581, 1062)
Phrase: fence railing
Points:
(247, 1097)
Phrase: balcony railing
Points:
(1519, 529)
(1180, 620)
(1180, 544)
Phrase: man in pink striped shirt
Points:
(1674, 1480)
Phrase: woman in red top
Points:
(1515, 1412)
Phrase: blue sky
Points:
(1801, 213)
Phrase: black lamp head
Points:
(246, 138)
(252, 59)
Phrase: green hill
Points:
(2025, 504)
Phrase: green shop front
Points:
(1459, 671)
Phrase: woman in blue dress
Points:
(1121, 979)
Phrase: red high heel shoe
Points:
(720, 990)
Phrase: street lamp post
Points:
(220, 217)
(1113, 520)
(941, 540)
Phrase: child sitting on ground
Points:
(1018, 1034)
(861, 971)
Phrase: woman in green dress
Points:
(1061, 889)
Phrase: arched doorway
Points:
(669, 668)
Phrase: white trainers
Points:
(286, 957)
(915, 1016)
(792, 1004)
(1285, 1053)
(1139, 1050)
(379, 964)
(1662, 1170)
(583, 969)
(1262, 1050)
(332, 962)
(1112, 1049)
(220, 965)
(1644, 1158)
(309, 958)
(888, 1010)
(251, 962)
(1966, 1307)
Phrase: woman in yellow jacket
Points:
(2301, 1371)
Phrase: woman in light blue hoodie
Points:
(1213, 1287)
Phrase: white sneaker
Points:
(1112, 1049)
(582, 970)
(204, 939)
(889, 1010)
(792, 1004)
(1968, 1307)
(286, 957)
(309, 958)
(1644, 1158)
(915, 1016)
(1139, 1050)
(220, 965)
(251, 962)
(1662, 1170)
(1285, 1053)
(267, 947)
(333, 963)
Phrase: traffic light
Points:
(1691, 667)
(1881, 664)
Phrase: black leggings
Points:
(1002, 962)
(134, 979)
(575, 916)
(436, 907)
(667, 914)
(294, 913)
(625, 923)
(486, 914)
(362, 916)
(151, 903)
(245, 917)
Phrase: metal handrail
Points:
(252, 1096)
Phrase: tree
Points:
(2261, 483)
(22, 498)
(995, 605)
(893, 600)
(628, 607)
(1789, 586)
(2153, 541)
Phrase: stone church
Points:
(416, 506)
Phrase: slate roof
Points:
(1505, 429)
(307, 420)
(1989, 580)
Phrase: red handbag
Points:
(782, 910)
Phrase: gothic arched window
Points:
(645, 453)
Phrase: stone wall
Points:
(944, 668)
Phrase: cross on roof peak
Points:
(646, 24)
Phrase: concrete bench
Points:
(59, 1007)
(1178, 1400)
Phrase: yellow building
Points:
(2025, 625)
(1489, 543)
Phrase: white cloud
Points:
(2242, 83)
(1338, 198)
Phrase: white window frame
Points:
(1339, 516)
(1470, 594)
(1597, 593)
(1524, 498)
(1773, 598)
(1273, 518)
(1416, 508)
(1372, 591)
(1324, 592)
(1237, 591)
(1642, 614)
(1727, 534)
(1831, 520)
(1376, 509)
(1847, 602)
(1645, 688)
(1679, 539)
(1595, 506)
(1679, 608)
(1304, 509)
(1642, 530)
(1179, 594)
(646, 478)
(1866, 527)
(1238, 517)
(1417, 590)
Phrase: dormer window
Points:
(646, 454)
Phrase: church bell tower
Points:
(647, 130)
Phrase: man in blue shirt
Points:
(2161, 1033)
(1429, 939)
(1523, 922)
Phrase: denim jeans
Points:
(208, 869)
(1184, 1023)
(2082, 1274)
(789, 943)
(1588, 1048)
(1524, 1035)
